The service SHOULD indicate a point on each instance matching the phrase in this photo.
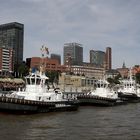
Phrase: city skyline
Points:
(94, 24)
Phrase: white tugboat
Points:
(101, 96)
(37, 97)
(129, 91)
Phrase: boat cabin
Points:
(36, 83)
(101, 84)
(36, 79)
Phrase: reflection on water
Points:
(88, 123)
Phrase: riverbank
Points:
(8, 84)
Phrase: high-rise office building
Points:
(73, 54)
(6, 59)
(97, 58)
(108, 58)
(12, 36)
(56, 57)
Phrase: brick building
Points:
(50, 64)
(6, 59)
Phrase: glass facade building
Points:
(73, 52)
(12, 37)
(97, 58)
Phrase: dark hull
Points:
(66, 106)
(130, 97)
(13, 105)
(17, 108)
(95, 100)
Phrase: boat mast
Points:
(44, 53)
(132, 81)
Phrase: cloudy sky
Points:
(96, 24)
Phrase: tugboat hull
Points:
(17, 108)
(129, 97)
(95, 100)
(66, 106)
(13, 105)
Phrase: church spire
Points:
(123, 66)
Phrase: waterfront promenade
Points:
(8, 84)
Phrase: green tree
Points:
(53, 76)
(114, 80)
(110, 80)
(22, 70)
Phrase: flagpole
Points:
(44, 53)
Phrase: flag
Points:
(46, 49)
(42, 48)
(34, 70)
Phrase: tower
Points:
(11, 36)
(108, 58)
(6, 59)
(97, 58)
(75, 51)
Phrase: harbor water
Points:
(88, 123)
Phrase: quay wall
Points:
(74, 89)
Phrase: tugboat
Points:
(129, 90)
(37, 97)
(101, 96)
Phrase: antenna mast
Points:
(44, 53)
